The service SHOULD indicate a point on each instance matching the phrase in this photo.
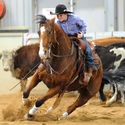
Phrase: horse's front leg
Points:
(34, 81)
(82, 99)
(23, 84)
(51, 92)
(56, 103)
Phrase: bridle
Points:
(61, 56)
(51, 55)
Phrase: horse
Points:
(108, 41)
(60, 70)
(21, 62)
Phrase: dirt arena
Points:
(12, 111)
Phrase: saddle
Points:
(81, 43)
(81, 66)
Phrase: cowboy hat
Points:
(60, 9)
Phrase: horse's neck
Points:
(64, 43)
(60, 49)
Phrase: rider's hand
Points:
(79, 35)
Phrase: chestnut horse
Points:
(60, 70)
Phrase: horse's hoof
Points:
(63, 117)
(28, 117)
(49, 110)
(27, 102)
(108, 104)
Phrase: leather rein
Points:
(51, 54)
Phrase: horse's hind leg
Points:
(56, 103)
(82, 99)
(122, 96)
(51, 92)
(34, 81)
(114, 97)
(101, 92)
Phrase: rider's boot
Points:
(87, 76)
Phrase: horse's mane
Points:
(42, 20)
(58, 31)
(61, 32)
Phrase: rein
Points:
(56, 72)
(60, 56)
(75, 76)
(24, 77)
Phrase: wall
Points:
(87, 10)
(121, 14)
(100, 15)
(18, 14)
(8, 41)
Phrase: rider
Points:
(72, 25)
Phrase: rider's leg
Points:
(90, 64)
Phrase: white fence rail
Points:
(33, 37)
(98, 35)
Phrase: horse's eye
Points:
(49, 33)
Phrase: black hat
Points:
(60, 8)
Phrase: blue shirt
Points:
(73, 25)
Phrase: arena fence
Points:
(29, 38)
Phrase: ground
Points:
(12, 111)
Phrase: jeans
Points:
(88, 53)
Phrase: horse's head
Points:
(46, 35)
(54, 42)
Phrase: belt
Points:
(74, 35)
